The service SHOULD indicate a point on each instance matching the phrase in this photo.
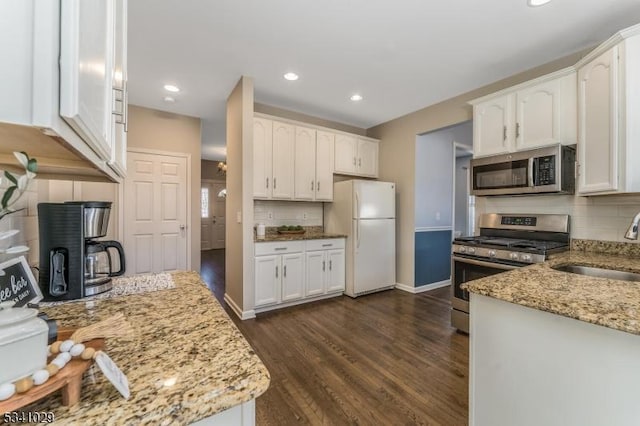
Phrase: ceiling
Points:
(400, 55)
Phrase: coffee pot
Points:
(99, 265)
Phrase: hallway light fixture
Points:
(222, 168)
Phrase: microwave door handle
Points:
(530, 180)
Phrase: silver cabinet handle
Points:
(354, 161)
(359, 162)
(318, 186)
(312, 185)
(284, 271)
(267, 183)
(123, 112)
(274, 183)
(276, 272)
(327, 245)
(504, 133)
(517, 130)
(330, 265)
(323, 263)
(280, 248)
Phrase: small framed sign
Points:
(17, 283)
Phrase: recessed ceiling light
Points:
(169, 99)
(291, 76)
(356, 97)
(535, 3)
(171, 88)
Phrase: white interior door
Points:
(218, 207)
(206, 222)
(155, 213)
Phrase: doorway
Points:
(463, 201)
(212, 212)
(156, 212)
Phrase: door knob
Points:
(182, 227)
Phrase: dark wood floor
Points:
(389, 358)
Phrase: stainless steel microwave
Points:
(538, 171)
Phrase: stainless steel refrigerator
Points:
(365, 211)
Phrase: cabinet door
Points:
(324, 166)
(316, 266)
(367, 158)
(492, 126)
(598, 124)
(283, 159)
(538, 115)
(262, 157)
(346, 148)
(305, 164)
(86, 70)
(267, 280)
(120, 117)
(292, 276)
(336, 270)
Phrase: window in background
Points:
(204, 202)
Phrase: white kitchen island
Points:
(553, 348)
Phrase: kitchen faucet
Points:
(632, 232)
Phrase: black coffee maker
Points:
(73, 263)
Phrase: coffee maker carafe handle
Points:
(116, 245)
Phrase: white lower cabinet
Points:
(325, 272)
(291, 272)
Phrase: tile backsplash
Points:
(25, 220)
(278, 213)
(594, 218)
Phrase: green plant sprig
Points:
(18, 183)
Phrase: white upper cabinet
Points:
(608, 110)
(120, 116)
(305, 164)
(598, 117)
(273, 159)
(87, 52)
(283, 160)
(534, 114)
(262, 157)
(66, 56)
(491, 122)
(324, 165)
(356, 156)
(346, 154)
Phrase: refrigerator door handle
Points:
(357, 220)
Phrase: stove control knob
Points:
(513, 256)
(471, 250)
(526, 258)
(462, 249)
(492, 253)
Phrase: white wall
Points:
(594, 218)
(461, 197)
(434, 174)
(278, 213)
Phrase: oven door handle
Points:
(483, 263)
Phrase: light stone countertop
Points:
(187, 361)
(311, 233)
(606, 302)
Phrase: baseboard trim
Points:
(423, 288)
(296, 302)
(243, 315)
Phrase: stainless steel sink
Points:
(598, 272)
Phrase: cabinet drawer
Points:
(278, 247)
(334, 243)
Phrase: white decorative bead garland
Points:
(65, 350)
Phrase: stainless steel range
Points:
(506, 242)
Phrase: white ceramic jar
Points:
(23, 342)
(260, 231)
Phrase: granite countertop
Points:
(606, 302)
(312, 233)
(187, 360)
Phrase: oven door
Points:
(464, 269)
